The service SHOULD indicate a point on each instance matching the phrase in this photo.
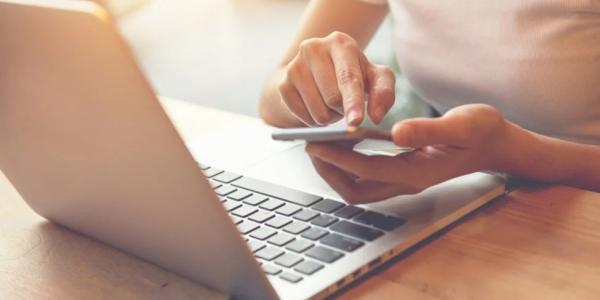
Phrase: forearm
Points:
(546, 159)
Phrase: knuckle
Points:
(339, 36)
(350, 46)
(332, 98)
(294, 69)
(310, 45)
(285, 86)
(322, 117)
(490, 113)
(293, 66)
(343, 39)
(477, 121)
(349, 76)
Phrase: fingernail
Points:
(378, 114)
(353, 117)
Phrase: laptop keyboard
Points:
(294, 234)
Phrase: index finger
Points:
(350, 80)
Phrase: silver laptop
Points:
(88, 146)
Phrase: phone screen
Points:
(330, 134)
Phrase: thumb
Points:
(421, 132)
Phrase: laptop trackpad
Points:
(291, 168)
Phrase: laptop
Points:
(88, 146)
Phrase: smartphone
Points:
(330, 134)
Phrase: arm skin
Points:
(322, 17)
(468, 138)
(553, 160)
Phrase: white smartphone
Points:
(330, 134)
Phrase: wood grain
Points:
(40, 260)
(537, 243)
(542, 243)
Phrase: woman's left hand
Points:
(466, 139)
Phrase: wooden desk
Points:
(538, 243)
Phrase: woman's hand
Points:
(466, 139)
(329, 79)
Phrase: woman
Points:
(517, 84)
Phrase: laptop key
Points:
(271, 270)
(255, 199)
(247, 227)
(225, 190)
(368, 217)
(356, 231)
(314, 233)
(255, 245)
(341, 242)
(239, 195)
(278, 222)
(226, 177)
(324, 220)
(244, 211)
(210, 172)
(308, 267)
(288, 209)
(306, 215)
(271, 204)
(349, 212)
(263, 233)
(328, 206)
(277, 191)
(269, 253)
(295, 227)
(380, 221)
(231, 205)
(291, 277)
(299, 245)
(203, 166)
(280, 239)
(389, 223)
(288, 260)
(261, 216)
(324, 254)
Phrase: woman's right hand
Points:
(330, 78)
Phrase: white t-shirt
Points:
(537, 61)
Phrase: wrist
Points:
(517, 151)
(547, 159)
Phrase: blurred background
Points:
(216, 53)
